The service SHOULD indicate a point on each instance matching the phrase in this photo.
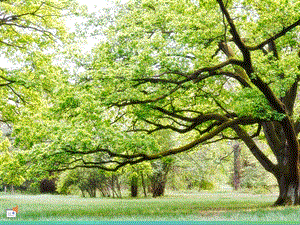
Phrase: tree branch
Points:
(259, 155)
(119, 160)
(137, 102)
(237, 39)
(290, 97)
(195, 74)
(276, 36)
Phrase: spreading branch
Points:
(276, 36)
(118, 160)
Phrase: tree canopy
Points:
(30, 33)
(30, 30)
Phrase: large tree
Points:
(209, 70)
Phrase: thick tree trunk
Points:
(287, 172)
(288, 191)
(288, 179)
(283, 142)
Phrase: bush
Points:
(206, 185)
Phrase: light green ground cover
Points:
(203, 206)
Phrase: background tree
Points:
(29, 31)
(197, 169)
(31, 36)
(11, 165)
(88, 181)
(160, 172)
(138, 177)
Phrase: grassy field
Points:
(193, 206)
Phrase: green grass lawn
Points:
(202, 206)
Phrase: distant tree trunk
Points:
(115, 186)
(236, 166)
(89, 192)
(107, 190)
(104, 189)
(92, 192)
(144, 184)
(118, 186)
(82, 192)
(158, 186)
(91, 189)
(47, 186)
(159, 179)
(134, 186)
(112, 185)
(101, 189)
